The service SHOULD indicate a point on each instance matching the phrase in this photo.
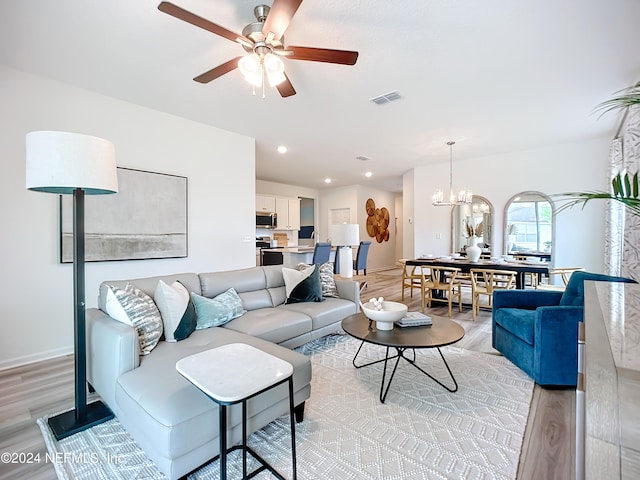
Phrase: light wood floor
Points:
(29, 392)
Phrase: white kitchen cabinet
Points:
(265, 203)
(288, 210)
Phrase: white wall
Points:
(563, 168)
(408, 215)
(36, 290)
(381, 255)
(285, 190)
(398, 223)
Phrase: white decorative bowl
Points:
(391, 312)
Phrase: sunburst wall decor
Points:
(377, 221)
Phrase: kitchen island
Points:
(293, 255)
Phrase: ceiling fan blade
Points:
(182, 14)
(279, 17)
(285, 88)
(218, 71)
(343, 57)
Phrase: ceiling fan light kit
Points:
(464, 195)
(263, 41)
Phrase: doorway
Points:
(307, 233)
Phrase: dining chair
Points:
(530, 279)
(360, 262)
(485, 282)
(443, 280)
(564, 273)
(412, 277)
(321, 253)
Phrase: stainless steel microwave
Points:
(266, 220)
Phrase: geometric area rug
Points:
(421, 432)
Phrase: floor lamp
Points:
(74, 164)
(344, 236)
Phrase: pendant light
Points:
(462, 197)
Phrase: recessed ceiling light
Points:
(327, 180)
(368, 174)
(282, 149)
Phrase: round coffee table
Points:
(442, 332)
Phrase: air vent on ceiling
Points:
(386, 98)
(362, 158)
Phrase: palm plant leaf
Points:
(629, 96)
(625, 191)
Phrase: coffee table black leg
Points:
(383, 391)
(370, 363)
(452, 390)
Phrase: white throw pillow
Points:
(294, 277)
(177, 311)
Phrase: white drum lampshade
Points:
(344, 236)
(60, 162)
(70, 163)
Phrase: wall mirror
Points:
(529, 225)
(479, 215)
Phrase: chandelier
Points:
(462, 197)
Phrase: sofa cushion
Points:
(142, 313)
(177, 310)
(148, 285)
(215, 312)
(174, 413)
(272, 324)
(519, 322)
(332, 310)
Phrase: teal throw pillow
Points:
(308, 290)
(215, 312)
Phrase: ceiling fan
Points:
(264, 42)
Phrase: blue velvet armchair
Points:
(538, 330)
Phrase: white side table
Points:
(233, 374)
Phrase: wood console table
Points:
(611, 380)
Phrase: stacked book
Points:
(414, 319)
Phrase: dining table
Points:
(521, 267)
(545, 256)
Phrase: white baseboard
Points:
(35, 357)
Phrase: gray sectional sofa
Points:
(175, 423)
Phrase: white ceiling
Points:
(494, 75)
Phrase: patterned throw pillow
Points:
(216, 311)
(328, 281)
(140, 311)
(177, 310)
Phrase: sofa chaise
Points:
(174, 422)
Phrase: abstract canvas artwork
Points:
(146, 219)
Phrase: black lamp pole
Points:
(83, 416)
